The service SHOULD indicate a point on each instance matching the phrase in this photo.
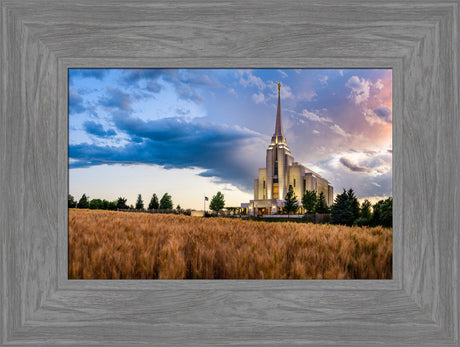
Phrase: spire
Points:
(278, 136)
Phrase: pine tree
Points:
(387, 213)
(383, 213)
(321, 206)
(154, 204)
(72, 202)
(139, 203)
(354, 204)
(366, 210)
(83, 202)
(290, 202)
(217, 202)
(341, 212)
(166, 202)
(121, 204)
(365, 215)
(309, 200)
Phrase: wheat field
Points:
(122, 245)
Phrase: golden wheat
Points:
(121, 245)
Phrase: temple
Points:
(280, 172)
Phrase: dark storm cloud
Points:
(384, 113)
(75, 102)
(97, 129)
(353, 167)
(116, 98)
(175, 143)
(186, 92)
(185, 82)
(135, 75)
(199, 78)
(94, 73)
(150, 76)
(87, 73)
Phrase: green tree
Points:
(366, 212)
(321, 206)
(354, 204)
(96, 204)
(290, 201)
(341, 212)
(112, 205)
(121, 204)
(387, 213)
(105, 204)
(154, 204)
(383, 213)
(139, 203)
(72, 202)
(166, 202)
(309, 200)
(83, 202)
(217, 202)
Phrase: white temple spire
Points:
(278, 136)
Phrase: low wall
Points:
(309, 218)
(281, 216)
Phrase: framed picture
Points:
(41, 41)
(197, 138)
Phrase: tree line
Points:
(165, 203)
(346, 208)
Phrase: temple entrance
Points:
(261, 211)
(275, 190)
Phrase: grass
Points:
(118, 245)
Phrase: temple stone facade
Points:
(280, 172)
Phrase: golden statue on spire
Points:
(279, 87)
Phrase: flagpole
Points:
(204, 206)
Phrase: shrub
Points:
(360, 222)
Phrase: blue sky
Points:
(193, 132)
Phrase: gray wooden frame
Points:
(40, 39)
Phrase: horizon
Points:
(193, 132)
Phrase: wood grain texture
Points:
(41, 39)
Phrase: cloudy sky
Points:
(193, 132)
